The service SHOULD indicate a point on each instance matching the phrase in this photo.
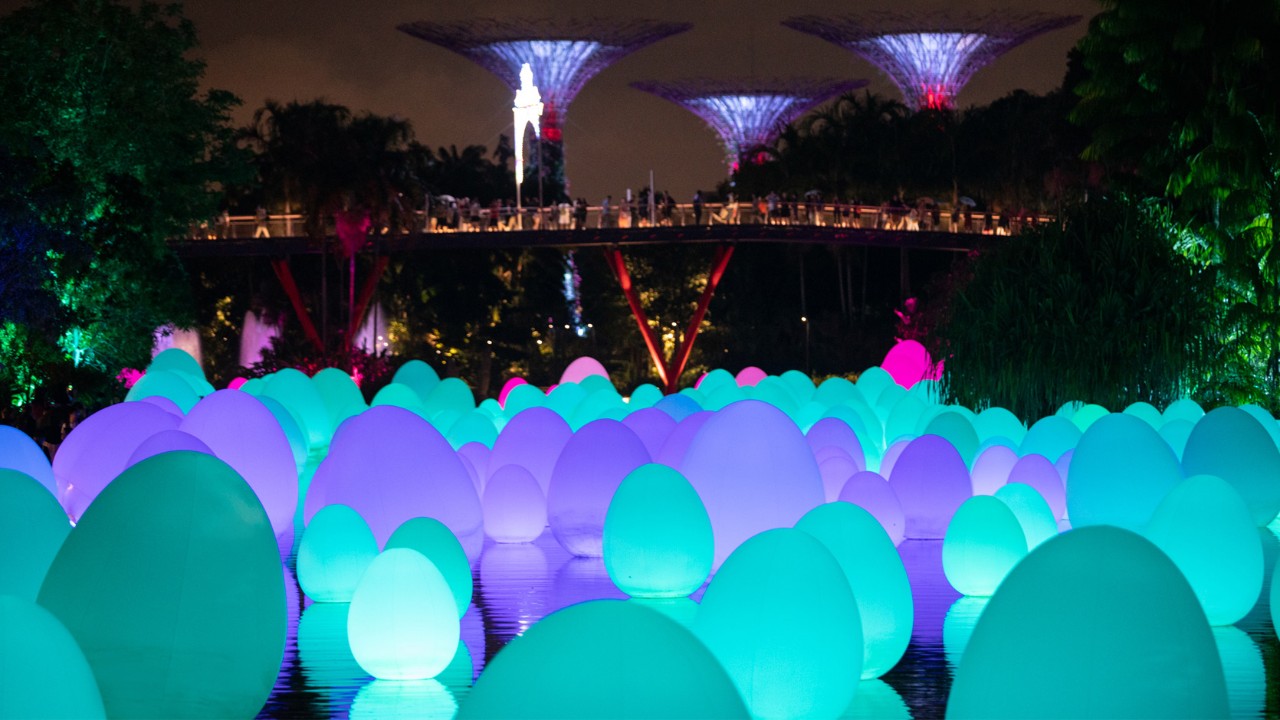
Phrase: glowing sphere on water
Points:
(336, 548)
(436, 543)
(588, 472)
(983, 543)
(19, 452)
(1231, 444)
(582, 368)
(1120, 472)
(532, 439)
(604, 658)
(403, 623)
(98, 449)
(171, 584)
(652, 426)
(876, 576)
(782, 620)
(1205, 527)
(1104, 612)
(991, 469)
(657, 536)
(402, 700)
(931, 481)
(1051, 437)
(1031, 510)
(33, 527)
(43, 673)
(873, 493)
(753, 470)
(515, 510)
(242, 432)
(1037, 472)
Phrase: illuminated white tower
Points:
(527, 110)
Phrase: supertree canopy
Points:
(748, 114)
(564, 54)
(930, 56)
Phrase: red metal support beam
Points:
(366, 294)
(285, 275)
(685, 349)
(613, 256)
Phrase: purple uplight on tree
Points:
(930, 57)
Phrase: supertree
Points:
(930, 56)
(564, 54)
(748, 114)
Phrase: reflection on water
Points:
(516, 585)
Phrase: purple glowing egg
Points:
(677, 443)
(592, 465)
(533, 440)
(991, 469)
(834, 432)
(515, 510)
(872, 493)
(1039, 473)
(19, 452)
(167, 441)
(932, 482)
(652, 426)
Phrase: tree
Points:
(111, 149)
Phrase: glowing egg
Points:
(451, 394)
(999, 422)
(891, 455)
(582, 368)
(724, 396)
(599, 404)
(45, 675)
(903, 421)
(753, 470)
(401, 396)
(835, 432)
(293, 433)
(242, 432)
(1275, 599)
(652, 426)
(1079, 613)
(604, 658)
(97, 450)
(32, 529)
(390, 465)
(403, 623)
(564, 399)
(475, 457)
(1050, 437)
(1245, 671)
(678, 406)
(873, 493)
(533, 439)
(436, 543)
(340, 394)
(931, 481)
(1031, 510)
(657, 536)
(1087, 415)
(836, 390)
(586, 475)
(644, 396)
(335, 550)
(167, 441)
(800, 385)
(876, 576)
(19, 452)
(835, 471)
(171, 585)
(523, 397)
(1231, 444)
(473, 426)
(1266, 420)
(1205, 527)
(515, 510)
(402, 700)
(164, 383)
(1146, 412)
(908, 363)
(1184, 409)
(300, 397)
(958, 625)
(750, 376)
(1176, 432)
(677, 443)
(1037, 472)
(991, 469)
(876, 700)
(1120, 472)
(418, 376)
(507, 387)
(780, 617)
(714, 380)
(957, 430)
(982, 544)
(776, 392)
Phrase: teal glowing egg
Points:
(753, 470)
(565, 399)
(876, 576)
(1184, 409)
(323, 651)
(1037, 472)
(780, 617)
(888, 398)
(957, 626)
(171, 585)
(1051, 437)
(716, 379)
(931, 481)
(657, 536)
(1205, 527)
(401, 396)
(19, 452)
(33, 527)
(402, 700)
(1176, 432)
(403, 620)
(982, 544)
(1245, 671)
(1087, 414)
(521, 398)
(473, 426)
(873, 493)
(800, 385)
(419, 376)
(876, 700)
(335, 550)
(340, 394)
(1031, 510)
(903, 420)
(645, 395)
(435, 542)
(604, 658)
(1145, 412)
(293, 433)
(836, 390)
(958, 430)
(1231, 444)
(43, 673)
(515, 510)
(167, 384)
(999, 422)
(991, 469)
(1275, 599)
(1120, 472)
(1266, 420)
(299, 395)
(723, 397)
(873, 381)
(1099, 611)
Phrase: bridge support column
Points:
(669, 371)
(285, 275)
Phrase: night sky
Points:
(349, 52)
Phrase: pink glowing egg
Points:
(508, 386)
(750, 376)
(582, 368)
(908, 363)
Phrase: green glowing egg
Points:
(523, 397)
(782, 620)
(1087, 414)
(451, 394)
(473, 426)
(403, 620)
(33, 527)
(1031, 510)
(1120, 471)
(982, 544)
(657, 535)
(335, 550)
(873, 381)
(43, 673)
(876, 576)
(1101, 622)
(1231, 444)
(604, 658)
(1184, 409)
(438, 544)
(1205, 527)
(904, 420)
(171, 584)
(1176, 432)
